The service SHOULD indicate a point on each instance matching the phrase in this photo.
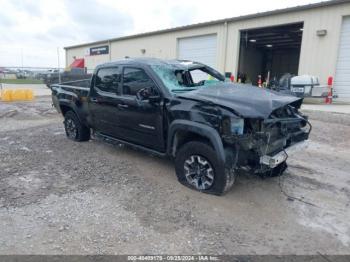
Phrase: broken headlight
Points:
(237, 126)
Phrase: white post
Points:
(58, 65)
(22, 58)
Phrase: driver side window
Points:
(135, 79)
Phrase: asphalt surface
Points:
(64, 197)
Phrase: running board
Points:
(146, 149)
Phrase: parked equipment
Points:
(300, 86)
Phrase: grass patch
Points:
(21, 81)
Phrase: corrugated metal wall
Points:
(318, 54)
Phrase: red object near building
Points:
(78, 63)
(329, 97)
(330, 81)
(259, 81)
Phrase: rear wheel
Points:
(75, 130)
(198, 167)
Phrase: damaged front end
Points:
(262, 146)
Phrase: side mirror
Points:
(154, 99)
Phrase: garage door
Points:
(342, 75)
(200, 48)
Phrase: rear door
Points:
(104, 99)
(140, 121)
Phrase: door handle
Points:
(93, 99)
(123, 106)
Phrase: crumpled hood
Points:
(246, 100)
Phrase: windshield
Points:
(184, 80)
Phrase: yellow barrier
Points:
(9, 95)
(18, 94)
(29, 94)
(6, 95)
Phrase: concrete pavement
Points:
(333, 108)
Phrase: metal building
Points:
(312, 39)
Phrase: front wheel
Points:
(198, 167)
(75, 130)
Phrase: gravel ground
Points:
(63, 197)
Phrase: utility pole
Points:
(22, 58)
(58, 65)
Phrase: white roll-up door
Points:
(199, 48)
(342, 74)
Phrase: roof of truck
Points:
(181, 64)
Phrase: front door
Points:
(140, 121)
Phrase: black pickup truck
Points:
(185, 110)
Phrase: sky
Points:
(32, 32)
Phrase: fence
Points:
(41, 75)
(26, 75)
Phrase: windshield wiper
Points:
(183, 89)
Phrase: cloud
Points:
(62, 33)
(6, 21)
(182, 15)
(36, 28)
(29, 7)
(98, 21)
(40, 27)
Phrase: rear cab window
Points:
(108, 80)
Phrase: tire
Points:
(197, 166)
(75, 130)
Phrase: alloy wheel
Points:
(199, 172)
(71, 128)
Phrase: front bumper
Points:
(275, 160)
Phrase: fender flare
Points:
(198, 128)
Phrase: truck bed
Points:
(74, 88)
(73, 94)
(84, 83)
